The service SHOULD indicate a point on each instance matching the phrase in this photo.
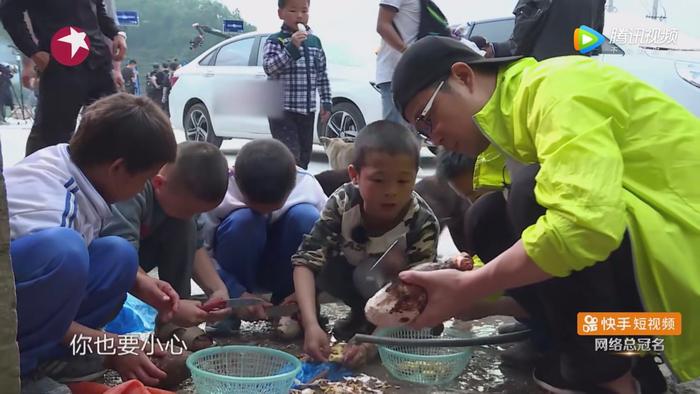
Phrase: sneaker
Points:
(78, 368)
(356, 323)
(43, 385)
(226, 327)
(521, 356)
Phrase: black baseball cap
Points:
(430, 59)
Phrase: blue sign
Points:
(128, 18)
(233, 26)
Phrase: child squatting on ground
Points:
(359, 222)
(70, 281)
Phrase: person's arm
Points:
(311, 256)
(324, 85)
(12, 16)
(205, 275)
(277, 57)
(106, 22)
(387, 29)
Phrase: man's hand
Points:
(255, 312)
(299, 37)
(41, 59)
(442, 287)
(28, 77)
(158, 294)
(316, 343)
(118, 48)
(137, 366)
(118, 80)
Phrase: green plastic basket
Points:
(243, 369)
(424, 365)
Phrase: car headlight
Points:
(690, 72)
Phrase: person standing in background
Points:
(397, 23)
(64, 90)
(130, 76)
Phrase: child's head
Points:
(439, 85)
(121, 142)
(266, 174)
(385, 165)
(458, 171)
(293, 12)
(196, 182)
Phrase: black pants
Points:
(62, 92)
(296, 131)
(336, 279)
(604, 287)
(171, 248)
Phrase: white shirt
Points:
(407, 21)
(47, 190)
(306, 190)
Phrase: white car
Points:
(197, 103)
(673, 69)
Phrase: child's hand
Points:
(137, 365)
(158, 294)
(299, 37)
(316, 343)
(255, 312)
(325, 116)
(356, 356)
(190, 314)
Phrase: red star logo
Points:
(70, 46)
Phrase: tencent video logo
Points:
(70, 46)
(587, 39)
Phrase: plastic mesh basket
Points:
(424, 365)
(243, 369)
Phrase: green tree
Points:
(166, 28)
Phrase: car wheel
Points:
(198, 125)
(345, 122)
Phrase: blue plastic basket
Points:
(424, 365)
(243, 369)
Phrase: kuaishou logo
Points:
(587, 39)
(70, 46)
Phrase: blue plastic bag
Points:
(135, 317)
(310, 370)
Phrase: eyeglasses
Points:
(424, 126)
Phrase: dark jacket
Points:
(545, 28)
(49, 16)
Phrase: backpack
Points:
(432, 21)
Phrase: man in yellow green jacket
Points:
(616, 218)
